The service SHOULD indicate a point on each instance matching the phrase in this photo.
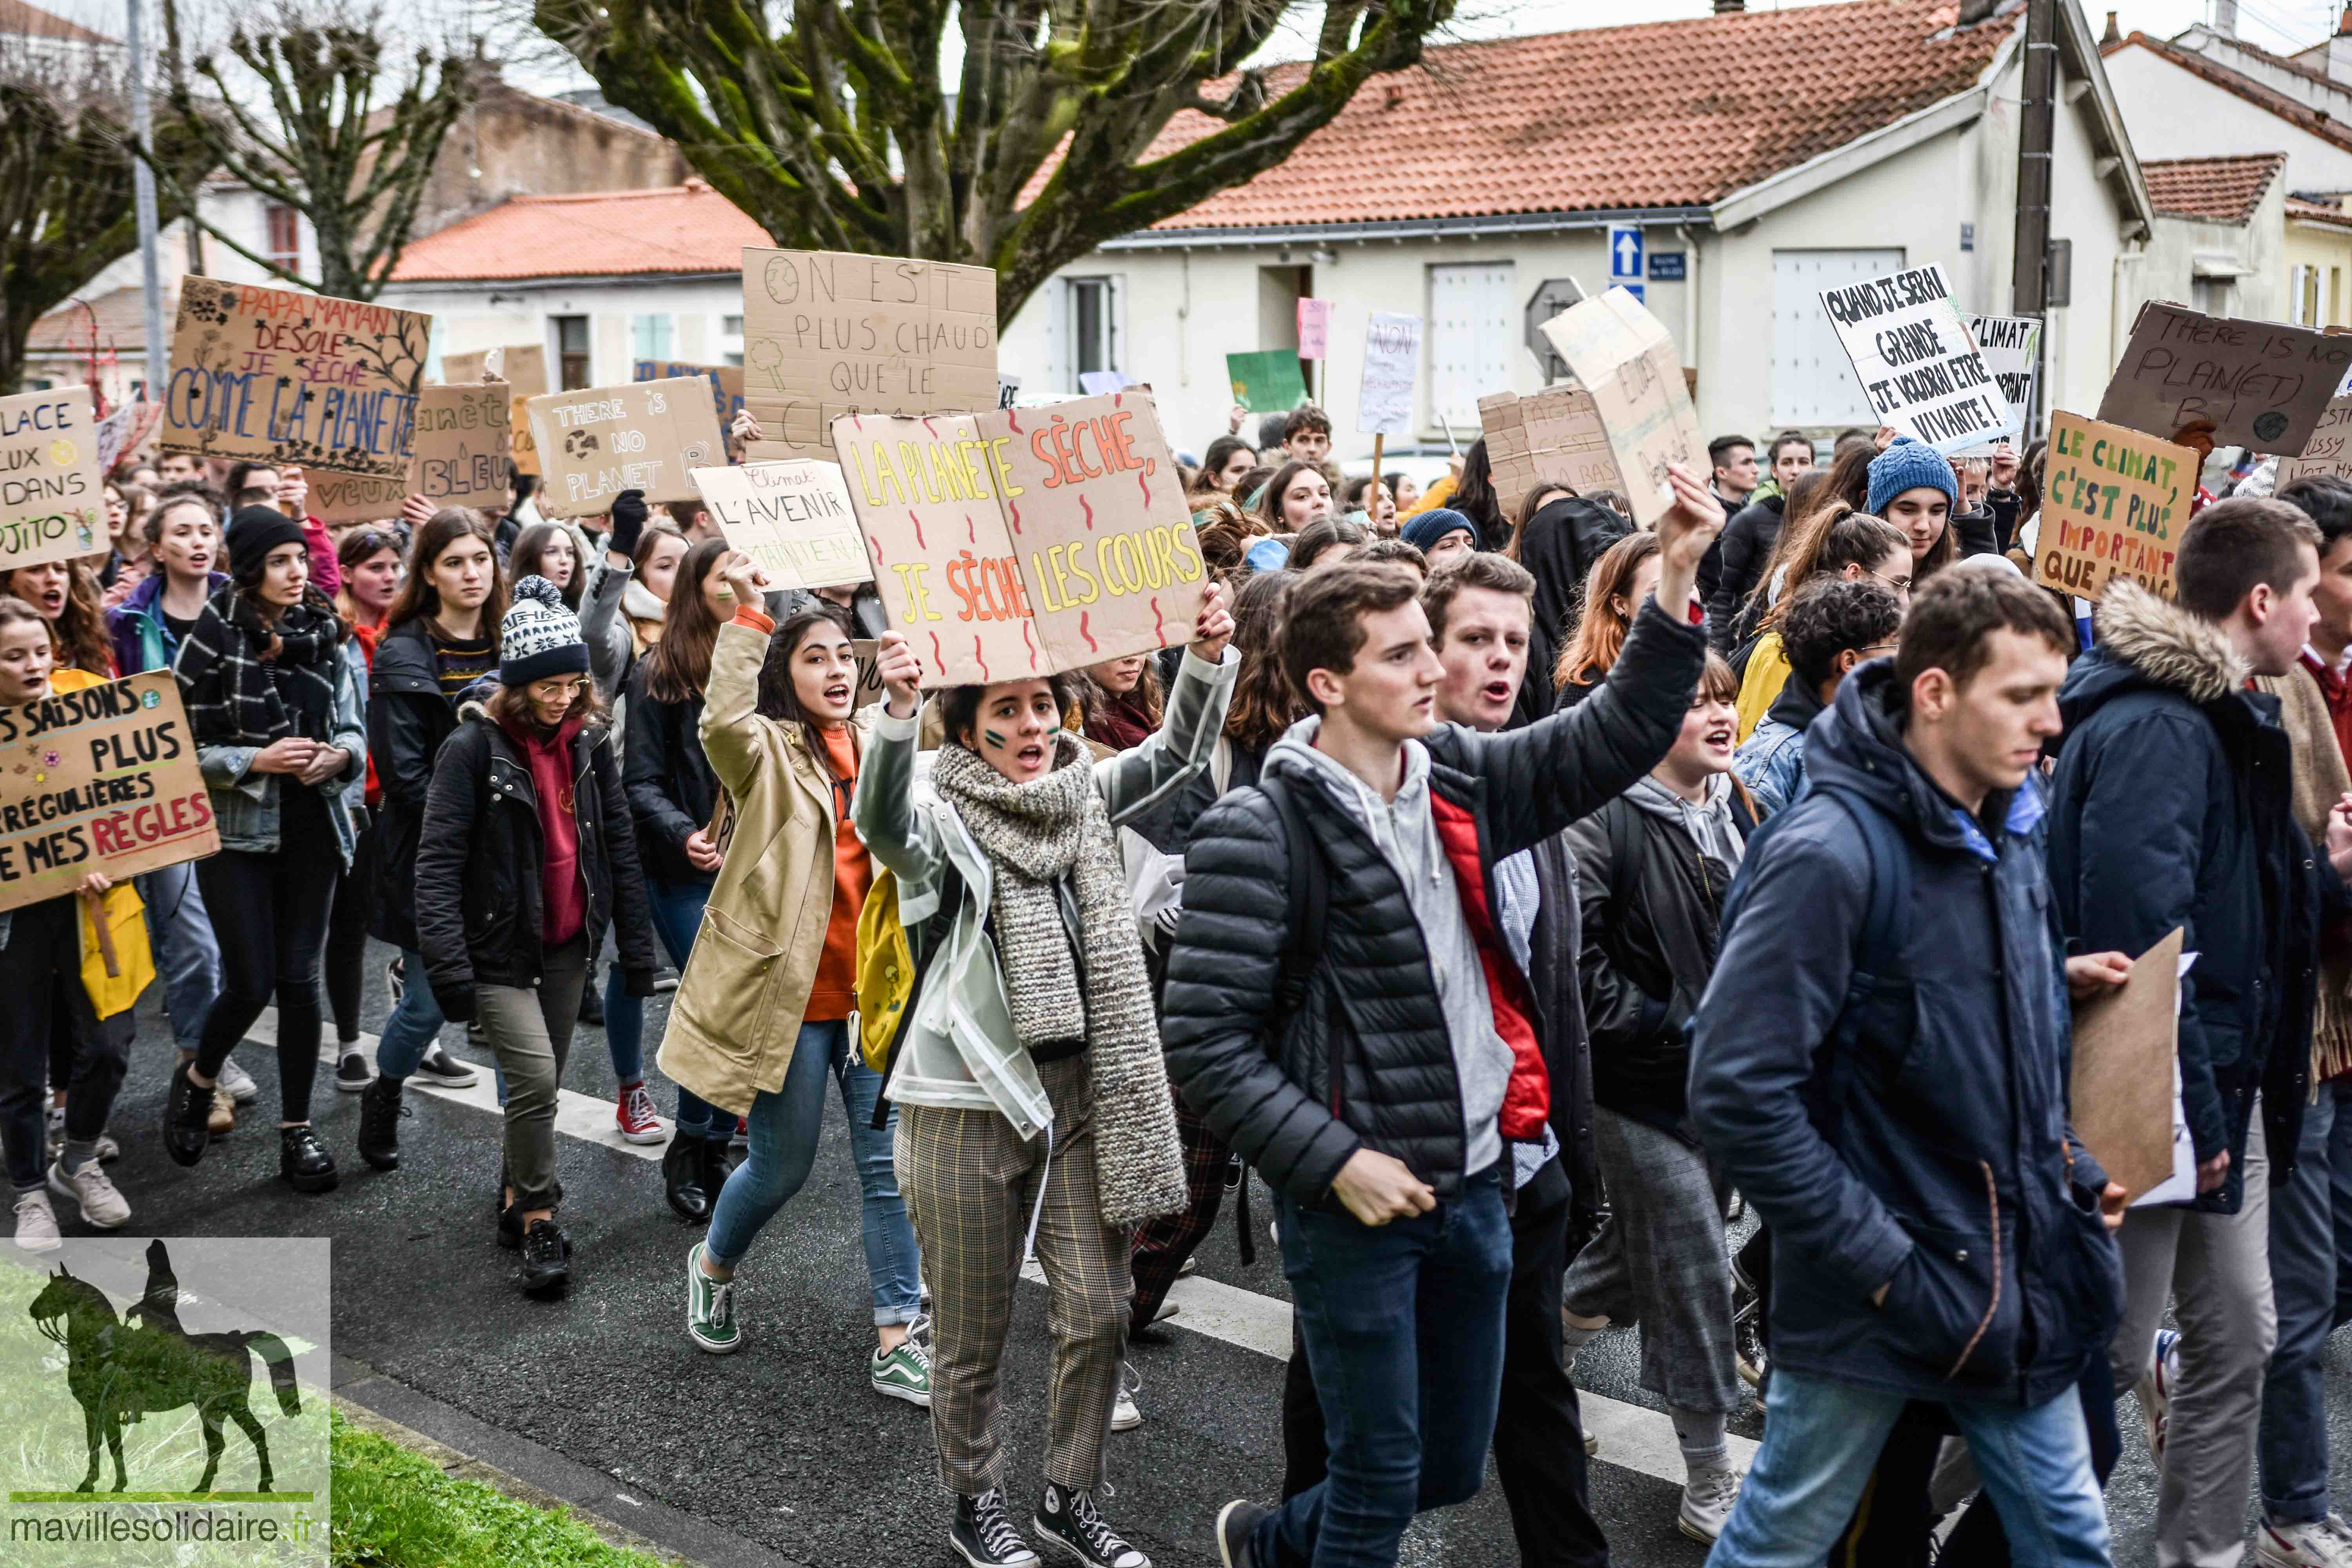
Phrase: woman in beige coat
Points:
(762, 1015)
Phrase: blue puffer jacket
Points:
(1935, 1156)
(2173, 806)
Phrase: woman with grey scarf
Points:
(1034, 1104)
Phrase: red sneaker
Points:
(635, 1116)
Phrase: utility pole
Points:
(157, 367)
(2030, 272)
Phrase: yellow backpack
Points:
(113, 990)
(886, 969)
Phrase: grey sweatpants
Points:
(530, 1031)
(2215, 1271)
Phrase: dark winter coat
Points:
(478, 905)
(2174, 806)
(1366, 1060)
(1560, 1029)
(671, 789)
(1651, 896)
(407, 721)
(1746, 542)
(1561, 543)
(1933, 1157)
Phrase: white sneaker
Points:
(2316, 1543)
(238, 1082)
(37, 1222)
(1707, 1497)
(2155, 1390)
(101, 1203)
(1124, 1415)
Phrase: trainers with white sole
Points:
(710, 1309)
(634, 1114)
(902, 1374)
(1124, 1415)
(2155, 1390)
(2314, 1543)
(37, 1222)
(352, 1073)
(101, 1203)
(238, 1082)
(1707, 1497)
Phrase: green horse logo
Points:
(119, 1371)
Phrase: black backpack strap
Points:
(922, 946)
(1307, 914)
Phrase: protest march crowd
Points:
(1520, 891)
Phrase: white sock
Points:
(1573, 1339)
(1700, 1434)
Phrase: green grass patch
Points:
(395, 1508)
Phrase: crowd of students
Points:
(1516, 891)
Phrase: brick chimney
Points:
(2343, 24)
(1733, 7)
(2114, 35)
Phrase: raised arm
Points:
(1136, 780)
(884, 806)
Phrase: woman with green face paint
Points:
(1033, 1096)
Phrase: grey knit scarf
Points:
(1036, 836)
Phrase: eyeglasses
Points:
(1900, 585)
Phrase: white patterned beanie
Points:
(539, 637)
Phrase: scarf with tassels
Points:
(1049, 840)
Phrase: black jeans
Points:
(269, 911)
(40, 973)
(347, 934)
(1538, 1431)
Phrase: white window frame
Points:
(1809, 367)
(1474, 339)
(1065, 362)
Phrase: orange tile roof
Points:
(32, 22)
(2218, 190)
(1657, 115)
(120, 315)
(670, 229)
(2327, 213)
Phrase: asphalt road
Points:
(782, 1448)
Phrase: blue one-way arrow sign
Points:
(1626, 258)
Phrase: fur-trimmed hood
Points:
(2146, 641)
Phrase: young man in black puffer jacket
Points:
(1383, 1106)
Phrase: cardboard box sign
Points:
(522, 366)
(1025, 541)
(2237, 384)
(827, 334)
(103, 778)
(359, 498)
(283, 377)
(2011, 348)
(1622, 355)
(52, 491)
(463, 440)
(1554, 435)
(122, 431)
(645, 435)
(1391, 363)
(1268, 381)
(2113, 504)
(1915, 361)
(2328, 453)
(794, 518)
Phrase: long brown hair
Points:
(418, 597)
(680, 664)
(778, 699)
(530, 549)
(1843, 485)
(1269, 500)
(1263, 705)
(1600, 629)
(512, 706)
(78, 636)
(1834, 540)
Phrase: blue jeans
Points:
(415, 1023)
(1403, 1326)
(784, 1130)
(2307, 1282)
(1822, 1440)
(186, 952)
(678, 915)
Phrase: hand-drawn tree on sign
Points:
(65, 209)
(839, 133)
(355, 167)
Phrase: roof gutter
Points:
(575, 280)
(1399, 230)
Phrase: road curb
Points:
(472, 1449)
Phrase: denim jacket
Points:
(245, 802)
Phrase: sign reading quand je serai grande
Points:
(1913, 357)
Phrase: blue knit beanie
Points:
(1425, 529)
(1906, 465)
(1267, 556)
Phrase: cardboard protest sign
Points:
(52, 494)
(1917, 365)
(521, 447)
(462, 442)
(359, 498)
(726, 383)
(870, 691)
(600, 441)
(103, 778)
(123, 430)
(1266, 381)
(1621, 355)
(1555, 434)
(522, 366)
(1008, 389)
(2328, 453)
(2121, 1091)
(1391, 364)
(793, 518)
(284, 378)
(827, 334)
(1020, 542)
(2237, 384)
(2011, 349)
(1313, 328)
(2113, 505)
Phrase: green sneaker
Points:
(902, 1374)
(710, 1309)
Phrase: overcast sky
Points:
(2281, 25)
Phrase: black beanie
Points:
(252, 533)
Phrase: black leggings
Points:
(347, 935)
(41, 992)
(269, 911)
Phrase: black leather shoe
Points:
(304, 1161)
(682, 1179)
(380, 1114)
(717, 1164)
(187, 1113)
(546, 1257)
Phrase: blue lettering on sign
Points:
(1667, 266)
(1625, 254)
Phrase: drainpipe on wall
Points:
(1690, 290)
